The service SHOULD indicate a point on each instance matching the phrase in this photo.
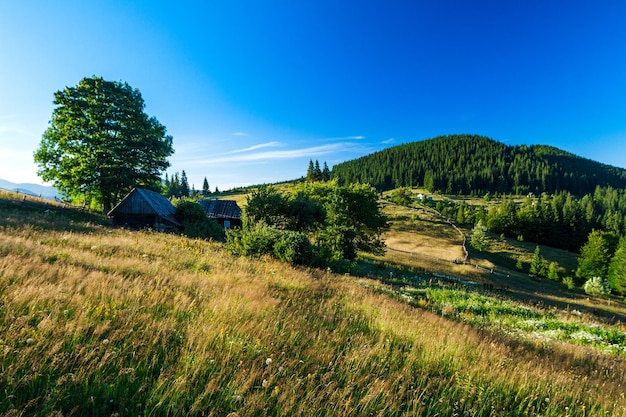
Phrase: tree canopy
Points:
(337, 221)
(100, 143)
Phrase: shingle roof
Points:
(140, 200)
(161, 205)
(221, 209)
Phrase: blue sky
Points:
(252, 90)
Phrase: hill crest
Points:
(473, 164)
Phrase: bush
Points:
(596, 286)
(196, 224)
(293, 247)
(569, 282)
(258, 240)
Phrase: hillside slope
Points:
(470, 164)
(99, 321)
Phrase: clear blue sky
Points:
(251, 90)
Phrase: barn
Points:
(143, 208)
(225, 212)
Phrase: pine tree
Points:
(205, 188)
(537, 265)
(317, 171)
(174, 186)
(310, 172)
(552, 272)
(594, 257)
(184, 185)
(326, 175)
(617, 269)
(479, 239)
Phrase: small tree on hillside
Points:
(617, 269)
(596, 286)
(594, 257)
(479, 240)
(537, 265)
(552, 272)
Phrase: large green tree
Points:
(100, 143)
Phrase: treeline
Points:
(476, 165)
(178, 186)
(559, 220)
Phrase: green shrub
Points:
(293, 247)
(196, 224)
(258, 240)
(596, 286)
(569, 282)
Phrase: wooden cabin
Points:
(225, 212)
(143, 208)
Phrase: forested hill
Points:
(470, 164)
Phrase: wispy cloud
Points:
(354, 137)
(388, 141)
(239, 134)
(256, 147)
(240, 156)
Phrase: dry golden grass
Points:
(99, 321)
(422, 233)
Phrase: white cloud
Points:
(388, 141)
(255, 147)
(239, 134)
(279, 154)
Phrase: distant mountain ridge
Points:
(472, 164)
(31, 189)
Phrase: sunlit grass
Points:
(99, 321)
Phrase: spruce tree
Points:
(617, 269)
(537, 266)
(310, 172)
(479, 239)
(317, 171)
(205, 187)
(326, 175)
(184, 185)
(594, 257)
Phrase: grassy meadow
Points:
(101, 321)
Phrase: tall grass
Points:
(98, 321)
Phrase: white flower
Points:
(268, 361)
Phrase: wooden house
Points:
(143, 208)
(225, 212)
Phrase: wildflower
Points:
(30, 341)
(265, 383)
(268, 361)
